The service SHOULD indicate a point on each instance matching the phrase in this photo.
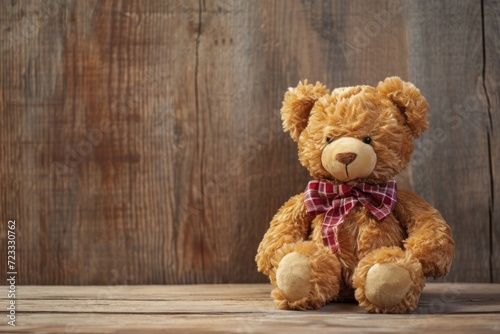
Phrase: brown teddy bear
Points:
(351, 233)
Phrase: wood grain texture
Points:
(239, 308)
(141, 141)
(491, 83)
(451, 167)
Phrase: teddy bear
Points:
(352, 235)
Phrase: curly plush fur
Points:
(383, 263)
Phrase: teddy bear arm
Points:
(290, 224)
(429, 236)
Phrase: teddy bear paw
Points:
(306, 276)
(293, 277)
(387, 284)
(388, 280)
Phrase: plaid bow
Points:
(338, 200)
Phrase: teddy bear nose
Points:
(346, 158)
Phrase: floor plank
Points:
(265, 323)
(246, 308)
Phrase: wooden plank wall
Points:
(454, 165)
(140, 142)
(491, 86)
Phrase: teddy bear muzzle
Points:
(348, 159)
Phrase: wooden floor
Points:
(444, 308)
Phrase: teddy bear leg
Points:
(307, 276)
(388, 280)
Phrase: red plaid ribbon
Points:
(338, 200)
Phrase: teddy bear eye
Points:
(329, 140)
(367, 140)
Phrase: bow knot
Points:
(337, 200)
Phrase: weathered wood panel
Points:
(491, 82)
(446, 308)
(141, 141)
(451, 168)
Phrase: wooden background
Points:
(141, 140)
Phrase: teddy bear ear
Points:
(297, 106)
(408, 99)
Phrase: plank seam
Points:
(488, 133)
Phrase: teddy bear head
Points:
(355, 134)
